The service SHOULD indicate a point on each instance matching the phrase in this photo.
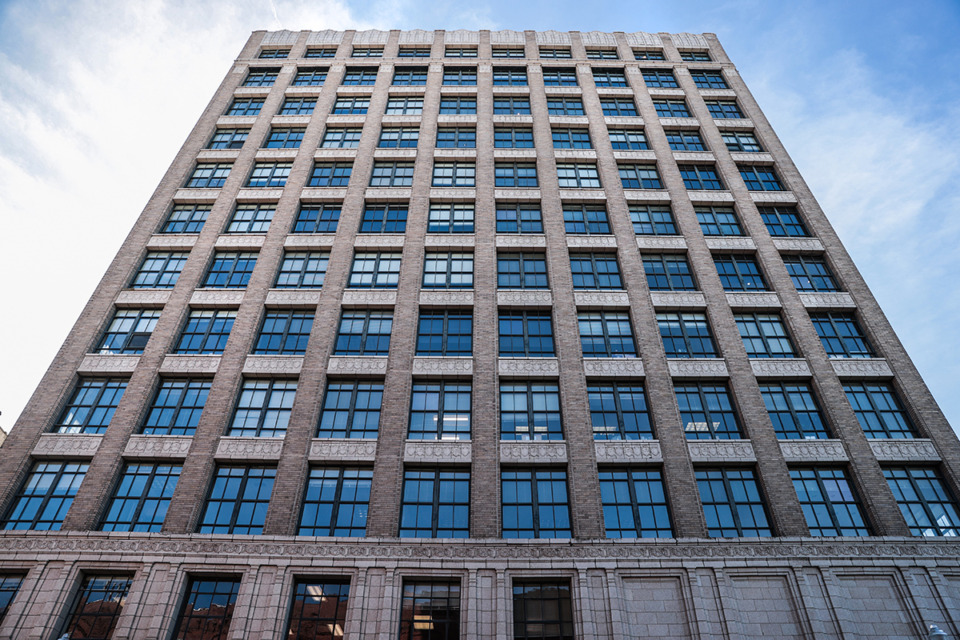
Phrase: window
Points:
(606, 335)
(686, 335)
(841, 335)
(317, 218)
(530, 412)
(456, 105)
(447, 270)
(793, 411)
(245, 107)
(263, 409)
(454, 174)
(810, 273)
(141, 498)
(695, 56)
(518, 218)
(706, 412)
(723, 109)
(177, 407)
(924, 500)
(448, 333)
(668, 272)
(547, 52)
(535, 505)
(351, 409)
(542, 609)
(609, 78)
(45, 497)
(251, 218)
(160, 270)
(436, 504)
(578, 176)
(738, 141)
(574, 107)
(647, 55)
(9, 585)
(284, 332)
(759, 178)
(616, 107)
(671, 108)
(456, 138)
(375, 270)
(406, 76)
(460, 77)
(341, 138)
(319, 609)
(91, 406)
(430, 610)
(364, 333)
(878, 410)
(330, 174)
(631, 139)
(602, 54)
(404, 107)
(391, 174)
(652, 219)
(208, 605)
(351, 106)
(228, 138)
(336, 502)
(302, 270)
(639, 176)
(360, 77)
(97, 607)
(399, 138)
(385, 218)
(764, 335)
(571, 139)
(783, 221)
(685, 140)
(128, 331)
(238, 500)
(618, 411)
(186, 218)
(560, 77)
(206, 331)
(718, 221)
(700, 177)
(521, 271)
(659, 78)
(450, 218)
(739, 273)
(274, 53)
(508, 52)
(414, 52)
(310, 78)
(270, 174)
(515, 174)
(320, 53)
(732, 503)
(513, 138)
(208, 176)
(297, 107)
(526, 334)
(503, 76)
(709, 80)
(285, 138)
(829, 502)
(595, 271)
(587, 219)
(634, 504)
(230, 270)
(460, 52)
(367, 52)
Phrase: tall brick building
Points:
(484, 334)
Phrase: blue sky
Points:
(96, 97)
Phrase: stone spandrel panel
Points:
(750, 157)
(722, 93)
(591, 242)
(143, 298)
(317, 194)
(436, 452)
(211, 298)
(721, 451)
(144, 446)
(763, 197)
(246, 241)
(211, 155)
(273, 365)
(357, 365)
(632, 155)
(656, 606)
(448, 240)
(252, 449)
(369, 298)
(838, 300)
(172, 241)
(780, 368)
(520, 241)
(66, 445)
(660, 92)
(434, 366)
(753, 300)
(524, 298)
(693, 156)
(710, 196)
(601, 299)
(378, 241)
(322, 449)
(108, 363)
(798, 244)
(531, 367)
(861, 367)
(697, 368)
(223, 121)
(909, 450)
(678, 299)
(517, 194)
(613, 367)
(533, 452)
(627, 451)
(174, 363)
(671, 123)
(304, 298)
(813, 450)
(643, 195)
(731, 243)
(446, 298)
(661, 242)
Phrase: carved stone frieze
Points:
(552, 37)
(143, 446)
(575, 121)
(232, 448)
(308, 241)
(735, 123)
(218, 154)
(96, 363)
(780, 368)
(753, 299)
(575, 154)
(387, 193)
(280, 365)
(322, 194)
(743, 156)
(66, 445)
(378, 241)
(718, 93)
(861, 367)
(905, 450)
(591, 242)
(678, 299)
(289, 121)
(342, 449)
(635, 155)
(447, 240)
(174, 363)
(601, 298)
(325, 36)
(583, 194)
(357, 365)
(520, 241)
(416, 36)
(644, 39)
(693, 156)
(661, 242)
(840, 299)
(598, 39)
(284, 37)
(440, 367)
(259, 195)
(772, 196)
(436, 451)
(613, 367)
(197, 195)
(216, 298)
(517, 118)
(689, 41)
(453, 154)
(721, 451)
(306, 298)
(452, 193)
(697, 368)
(623, 451)
(615, 91)
(533, 452)
(371, 36)
(514, 153)
(731, 242)
(143, 298)
(644, 195)
(246, 241)
(251, 91)
(517, 194)
(666, 93)
(679, 122)
(455, 118)
(446, 298)
(813, 451)
(369, 297)
(798, 244)
(525, 298)
(710, 196)
(277, 154)
(301, 91)
(464, 36)
(528, 367)
(172, 241)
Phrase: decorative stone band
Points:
(710, 196)
(667, 93)
(400, 120)
(143, 298)
(445, 240)
(840, 299)
(613, 367)
(798, 244)
(455, 118)
(395, 153)
(912, 450)
(575, 154)
(719, 93)
(190, 364)
(446, 298)
(306, 298)
(520, 241)
(628, 451)
(521, 298)
(205, 298)
(734, 123)
(442, 367)
(416, 36)
(514, 153)
(327, 195)
(741, 156)
(634, 155)
(548, 367)
(813, 450)
(601, 299)
(861, 367)
(108, 363)
(252, 449)
(516, 194)
(760, 299)
(66, 445)
(357, 365)
(172, 241)
(533, 452)
(732, 243)
(697, 368)
(780, 368)
(591, 242)
(141, 446)
(277, 154)
(517, 118)
(661, 242)
(376, 241)
(771, 196)
(643, 195)
(693, 156)
(644, 39)
(240, 242)
(679, 122)
(437, 452)
(301, 91)
(721, 451)
(369, 297)
(678, 299)
(343, 450)
(228, 121)
(273, 365)
(346, 120)
(626, 91)
(387, 193)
